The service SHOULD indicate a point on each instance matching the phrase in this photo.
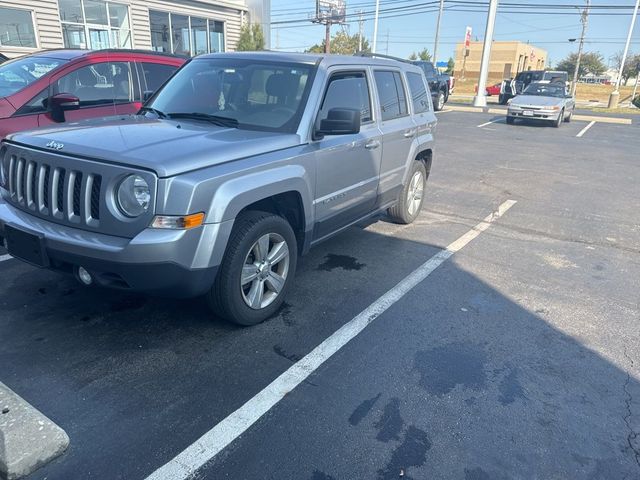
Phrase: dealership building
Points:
(507, 59)
(186, 27)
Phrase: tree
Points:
(451, 65)
(630, 65)
(251, 38)
(343, 44)
(591, 62)
(423, 55)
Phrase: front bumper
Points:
(176, 263)
(536, 114)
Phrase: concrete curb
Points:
(28, 439)
(502, 111)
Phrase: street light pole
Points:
(480, 99)
(584, 18)
(435, 44)
(615, 95)
(375, 27)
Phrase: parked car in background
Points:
(440, 84)
(54, 86)
(515, 86)
(238, 163)
(542, 101)
(493, 90)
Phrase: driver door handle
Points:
(372, 145)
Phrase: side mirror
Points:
(147, 95)
(62, 102)
(339, 121)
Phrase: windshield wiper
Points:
(153, 110)
(215, 119)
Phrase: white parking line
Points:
(5, 257)
(489, 123)
(584, 130)
(211, 443)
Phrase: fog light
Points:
(84, 276)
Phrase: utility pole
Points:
(327, 37)
(360, 30)
(615, 96)
(584, 18)
(375, 27)
(435, 43)
(480, 99)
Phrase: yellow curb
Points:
(497, 110)
(590, 118)
(456, 108)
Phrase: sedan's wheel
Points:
(510, 120)
(567, 119)
(558, 122)
(256, 270)
(411, 197)
(440, 101)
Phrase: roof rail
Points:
(138, 51)
(380, 55)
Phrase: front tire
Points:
(558, 122)
(568, 118)
(440, 101)
(510, 120)
(257, 269)
(411, 197)
(502, 99)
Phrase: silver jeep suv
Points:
(237, 165)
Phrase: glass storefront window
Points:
(73, 36)
(16, 28)
(71, 11)
(180, 34)
(216, 36)
(171, 32)
(160, 31)
(96, 12)
(199, 35)
(95, 24)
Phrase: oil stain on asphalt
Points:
(391, 423)
(412, 452)
(442, 368)
(363, 410)
(345, 262)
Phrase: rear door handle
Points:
(372, 145)
(409, 134)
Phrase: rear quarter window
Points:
(418, 89)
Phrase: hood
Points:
(168, 147)
(536, 101)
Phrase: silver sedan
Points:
(542, 101)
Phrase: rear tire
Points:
(409, 204)
(502, 99)
(257, 269)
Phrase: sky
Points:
(406, 26)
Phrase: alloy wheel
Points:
(265, 271)
(415, 193)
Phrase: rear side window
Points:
(393, 99)
(418, 91)
(155, 74)
(348, 90)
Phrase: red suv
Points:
(55, 86)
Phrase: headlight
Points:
(133, 196)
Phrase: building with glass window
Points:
(187, 27)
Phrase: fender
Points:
(423, 141)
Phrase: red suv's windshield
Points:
(22, 72)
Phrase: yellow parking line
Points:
(456, 108)
(591, 118)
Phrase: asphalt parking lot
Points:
(518, 357)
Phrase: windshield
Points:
(18, 74)
(545, 90)
(257, 95)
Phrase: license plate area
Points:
(26, 246)
(527, 113)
